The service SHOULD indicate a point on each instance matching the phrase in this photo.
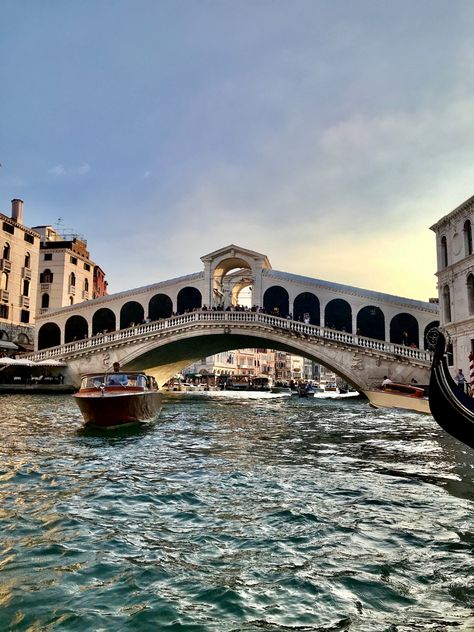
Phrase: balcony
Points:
(85, 295)
(43, 310)
(45, 287)
(4, 296)
(26, 273)
(72, 290)
(25, 301)
(6, 265)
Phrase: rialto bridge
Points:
(360, 334)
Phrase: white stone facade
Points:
(455, 263)
(19, 252)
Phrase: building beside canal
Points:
(455, 272)
(40, 269)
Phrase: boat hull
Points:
(383, 399)
(450, 406)
(113, 410)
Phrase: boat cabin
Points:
(134, 380)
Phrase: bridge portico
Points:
(226, 272)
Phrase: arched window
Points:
(71, 300)
(72, 279)
(4, 281)
(26, 287)
(6, 251)
(45, 301)
(468, 237)
(470, 294)
(46, 276)
(86, 285)
(446, 304)
(27, 260)
(444, 252)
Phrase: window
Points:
(72, 280)
(48, 256)
(25, 316)
(26, 287)
(6, 251)
(8, 228)
(86, 285)
(468, 237)
(470, 294)
(446, 304)
(45, 301)
(444, 253)
(46, 276)
(73, 260)
(4, 281)
(27, 260)
(4, 311)
(87, 267)
(29, 238)
(71, 300)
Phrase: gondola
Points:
(451, 407)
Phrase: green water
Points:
(248, 515)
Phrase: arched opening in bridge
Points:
(103, 321)
(433, 325)
(307, 305)
(49, 335)
(223, 294)
(131, 314)
(76, 329)
(371, 322)
(404, 330)
(160, 306)
(338, 315)
(189, 298)
(276, 301)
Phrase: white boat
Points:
(397, 395)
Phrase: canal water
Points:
(234, 515)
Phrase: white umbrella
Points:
(16, 362)
(50, 362)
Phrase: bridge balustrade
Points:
(296, 328)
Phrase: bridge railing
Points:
(297, 328)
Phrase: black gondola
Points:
(451, 407)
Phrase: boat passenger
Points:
(386, 381)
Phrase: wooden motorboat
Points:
(112, 400)
(398, 395)
(451, 407)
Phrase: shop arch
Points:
(189, 298)
(160, 306)
(132, 313)
(49, 335)
(76, 329)
(103, 320)
(371, 322)
(338, 315)
(307, 303)
(276, 301)
(404, 330)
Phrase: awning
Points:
(6, 344)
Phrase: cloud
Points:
(83, 169)
(58, 170)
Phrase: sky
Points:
(326, 135)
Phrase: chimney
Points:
(17, 211)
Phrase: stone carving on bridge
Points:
(357, 363)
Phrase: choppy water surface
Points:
(250, 515)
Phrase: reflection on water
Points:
(268, 514)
